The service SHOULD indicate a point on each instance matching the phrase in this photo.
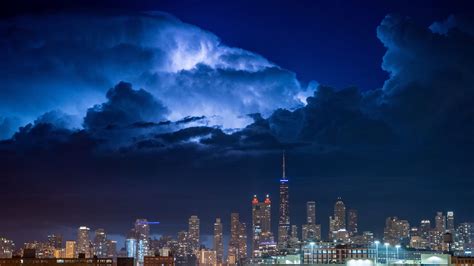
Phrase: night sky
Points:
(112, 111)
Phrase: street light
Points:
(386, 252)
(312, 252)
(376, 251)
(398, 247)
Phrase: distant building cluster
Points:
(441, 243)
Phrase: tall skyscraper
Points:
(425, 228)
(340, 214)
(131, 244)
(440, 222)
(142, 231)
(218, 241)
(450, 222)
(70, 249)
(238, 240)
(396, 230)
(111, 248)
(100, 243)
(284, 219)
(193, 233)
(261, 223)
(83, 243)
(310, 231)
(311, 212)
(352, 225)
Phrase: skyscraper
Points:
(352, 222)
(193, 233)
(450, 222)
(440, 222)
(83, 243)
(310, 231)
(396, 230)
(70, 249)
(284, 219)
(131, 244)
(261, 223)
(238, 240)
(425, 228)
(142, 231)
(100, 243)
(55, 241)
(340, 214)
(218, 241)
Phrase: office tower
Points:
(70, 249)
(142, 231)
(261, 223)
(425, 228)
(131, 244)
(352, 222)
(294, 240)
(238, 240)
(332, 228)
(218, 241)
(310, 212)
(193, 233)
(111, 248)
(310, 231)
(340, 214)
(440, 222)
(55, 241)
(182, 251)
(100, 243)
(396, 230)
(284, 219)
(83, 243)
(450, 222)
(207, 257)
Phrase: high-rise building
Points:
(193, 233)
(284, 219)
(111, 248)
(440, 222)
(207, 257)
(425, 228)
(340, 214)
(310, 212)
(310, 231)
(396, 230)
(55, 241)
(238, 240)
(70, 249)
(218, 244)
(83, 243)
(142, 231)
(131, 244)
(100, 243)
(352, 222)
(450, 222)
(261, 223)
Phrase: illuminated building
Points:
(55, 241)
(284, 218)
(70, 249)
(238, 240)
(6, 248)
(100, 243)
(193, 233)
(365, 240)
(339, 215)
(310, 231)
(207, 257)
(131, 244)
(329, 253)
(159, 261)
(450, 222)
(218, 243)
(111, 248)
(142, 231)
(425, 228)
(56, 262)
(440, 222)
(310, 212)
(396, 230)
(261, 224)
(83, 244)
(352, 222)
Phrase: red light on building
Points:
(267, 200)
(255, 200)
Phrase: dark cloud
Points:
(125, 106)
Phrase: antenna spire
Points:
(283, 166)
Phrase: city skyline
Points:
(360, 114)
